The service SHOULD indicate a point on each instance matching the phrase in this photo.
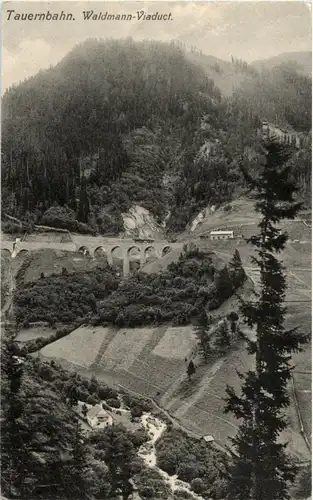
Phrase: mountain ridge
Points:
(155, 127)
(302, 60)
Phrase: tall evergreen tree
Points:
(191, 369)
(223, 284)
(233, 318)
(237, 272)
(202, 331)
(83, 208)
(263, 467)
(222, 339)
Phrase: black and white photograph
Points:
(156, 250)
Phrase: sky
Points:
(249, 30)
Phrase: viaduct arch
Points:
(96, 246)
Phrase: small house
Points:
(221, 235)
(98, 417)
(208, 438)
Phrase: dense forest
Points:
(281, 96)
(118, 123)
(177, 295)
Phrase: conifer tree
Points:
(236, 270)
(191, 369)
(222, 339)
(202, 332)
(233, 318)
(83, 208)
(263, 467)
(223, 284)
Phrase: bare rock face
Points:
(139, 223)
(201, 217)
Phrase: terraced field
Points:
(152, 362)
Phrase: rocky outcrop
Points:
(139, 223)
(201, 217)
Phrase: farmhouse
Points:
(98, 417)
(221, 235)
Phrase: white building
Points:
(208, 439)
(221, 235)
(98, 417)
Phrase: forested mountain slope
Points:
(300, 61)
(118, 123)
(227, 75)
(280, 95)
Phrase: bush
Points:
(105, 392)
(136, 411)
(183, 494)
(147, 492)
(84, 410)
(11, 227)
(197, 485)
(144, 404)
(46, 372)
(64, 218)
(92, 400)
(114, 403)
(109, 221)
(168, 462)
(82, 394)
(139, 437)
(187, 471)
(228, 208)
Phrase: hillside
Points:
(280, 95)
(227, 76)
(155, 134)
(300, 61)
(136, 108)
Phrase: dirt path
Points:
(303, 283)
(155, 428)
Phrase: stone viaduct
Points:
(121, 248)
